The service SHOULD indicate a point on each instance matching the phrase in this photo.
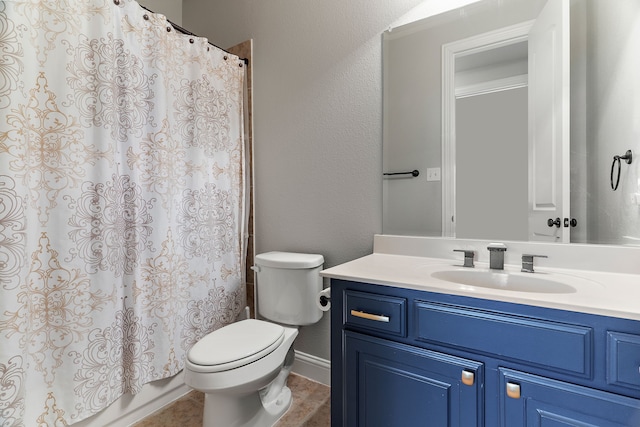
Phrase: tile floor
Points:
(310, 408)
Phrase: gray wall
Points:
(318, 119)
(172, 9)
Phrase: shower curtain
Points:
(122, 203)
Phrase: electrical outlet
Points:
(433, 174)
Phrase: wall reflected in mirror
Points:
(502, 180)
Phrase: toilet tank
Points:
(287, 287)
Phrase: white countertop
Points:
(596, 292)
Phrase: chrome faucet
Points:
(496, 255)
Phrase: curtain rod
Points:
(189, 33)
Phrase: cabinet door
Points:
(532, 401)
(391, 384)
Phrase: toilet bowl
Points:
(235, 383)
(242, 368)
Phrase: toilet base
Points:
(245, 411)
(253, 395)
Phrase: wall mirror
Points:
(516, 115)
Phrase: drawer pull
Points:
(369, 316)
(513, 390)
(468, 378)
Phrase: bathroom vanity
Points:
(420, 339)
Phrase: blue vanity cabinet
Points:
(402, 357)
(391, 384)
(534, 401)
(385, 380)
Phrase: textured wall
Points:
(318, 119)
(172, 9)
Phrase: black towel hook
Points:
(628, 158)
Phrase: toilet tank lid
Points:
(291, 260)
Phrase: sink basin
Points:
(518, 282)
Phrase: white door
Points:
(549, 123)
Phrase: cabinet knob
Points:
(513, 390)
(468, 378)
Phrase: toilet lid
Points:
(236, 345)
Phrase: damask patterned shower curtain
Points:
(122, 191)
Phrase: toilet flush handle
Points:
(255, 268)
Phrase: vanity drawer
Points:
(623, 359)
(382, 313)
(553, 345)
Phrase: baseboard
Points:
(130, 409)
(312, 367)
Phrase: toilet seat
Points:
(235, 345)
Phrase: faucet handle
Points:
(527, 262)
(468, 257)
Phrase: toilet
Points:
(242, 368)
